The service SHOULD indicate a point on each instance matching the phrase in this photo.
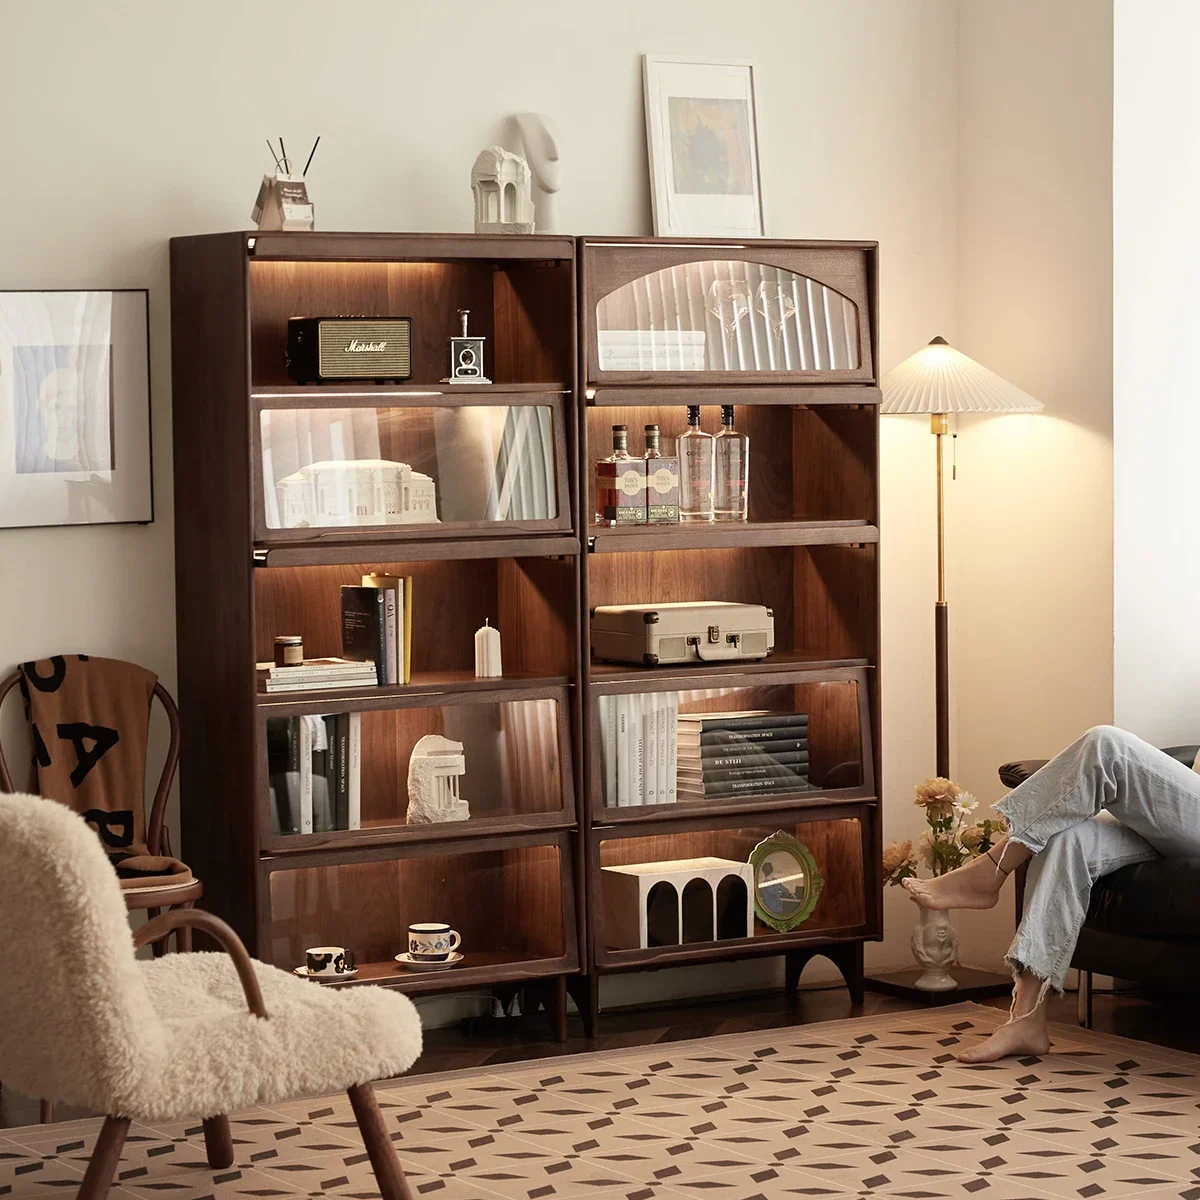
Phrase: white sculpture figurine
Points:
(362, 492)
(433, 773)
(500, 182)
(935, 947)
(539, 136)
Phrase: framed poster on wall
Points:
(702, 141)
(75, 408)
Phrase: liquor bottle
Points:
(662, 482)
(695, 470)
(731, 453)
(620, 484)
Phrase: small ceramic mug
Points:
(432, 941)
(328, 961)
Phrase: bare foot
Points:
(1026, 1035)
(976, 884)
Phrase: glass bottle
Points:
(695, 470)
(620, 484)
(731, 453)
(662, 482)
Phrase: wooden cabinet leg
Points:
(558, 1006)
(585, 991)
(103, 1164)
(46, 1111)
(218, 1142)
(381, 1152)
(847, 957)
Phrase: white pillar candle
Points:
(487, 652)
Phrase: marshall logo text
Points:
(357, 347)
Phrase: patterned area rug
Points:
(865, 1107)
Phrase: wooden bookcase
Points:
(508, 879)
(790, 339)
(521, 880)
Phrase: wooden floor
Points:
(480, 1043)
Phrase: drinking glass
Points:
(777, 303)
(729, 302)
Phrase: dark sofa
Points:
(1143, 922)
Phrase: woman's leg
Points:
(1058, 890)
(1106, 769)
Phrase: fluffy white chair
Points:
(84, 1021)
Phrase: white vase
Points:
(935, 947)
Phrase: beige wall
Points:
(152, 125)
(1030, 539)
(1155, 414)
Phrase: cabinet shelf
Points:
(618, 677)
(393, 550)
(479, 970)
(604, 539)
(753, 808)
(328, 395)
(427, 687)
(731, 390)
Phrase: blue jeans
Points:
(1109, 799)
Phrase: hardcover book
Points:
(364, 627)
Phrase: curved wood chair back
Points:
(158, 808)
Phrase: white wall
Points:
(1156, 416)
(1029, 543)
(140, 120)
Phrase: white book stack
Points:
(651, 349)
(638, 733)
(316, 673)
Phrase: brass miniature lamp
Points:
(940, 380)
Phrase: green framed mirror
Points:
(787, 883)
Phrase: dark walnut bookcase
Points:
(521, 880)
(809, 402)
(509, 879)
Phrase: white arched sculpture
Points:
(539, 136)
(500, 183)
(433, 773)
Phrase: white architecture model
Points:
(433, 773)
(500, 183)
(363, 492)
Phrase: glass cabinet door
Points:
(418, 470)
(800, 314)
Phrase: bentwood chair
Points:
(152, 899)
(84, 1021)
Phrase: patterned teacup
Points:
(432, 941)
(329, 960)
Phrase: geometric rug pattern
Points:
(872, 1106)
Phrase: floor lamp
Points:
(940, 380)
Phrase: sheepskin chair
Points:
(82, 1020)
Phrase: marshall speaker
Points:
(349, 349)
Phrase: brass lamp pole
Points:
(940, 380)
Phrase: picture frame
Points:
(702, 144)
(787, 883)
(75, 434)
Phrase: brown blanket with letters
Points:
(90, 719)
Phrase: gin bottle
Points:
(731, 451)
(695, 449)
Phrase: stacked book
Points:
(377, 626)
(725, 755)
(316, 673)
(651, 349)
(314, 771)
(638, 733)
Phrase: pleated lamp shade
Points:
(940, 379)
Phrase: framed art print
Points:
(702, 140)
(74, 408)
